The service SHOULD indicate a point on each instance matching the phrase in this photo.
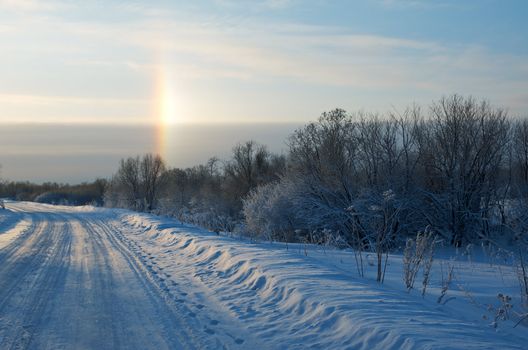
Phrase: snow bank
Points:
(12, 225)
(289, 300)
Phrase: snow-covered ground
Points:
(88, 278)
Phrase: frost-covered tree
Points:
(515, 208)
(126, 183)
(251, 165)
(152, 169)
(520, 152)
(462, 149)
(136, 185)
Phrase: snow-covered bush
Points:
(269, 213)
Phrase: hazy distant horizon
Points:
(74, 153)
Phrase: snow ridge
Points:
(291, 301)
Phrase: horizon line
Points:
(145, 123)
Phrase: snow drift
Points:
(289, 300)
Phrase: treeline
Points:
(55, 193)
(459, 168)
(210, 195)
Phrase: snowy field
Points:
(89, 278)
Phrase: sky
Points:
(231, 62)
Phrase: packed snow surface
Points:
(89, 278)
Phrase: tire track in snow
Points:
(37, 273)
(102, 234)
(69, 283)
(17, 260)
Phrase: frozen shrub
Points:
(415, 253)
(446, 282)
(428, 264)
(502, 312)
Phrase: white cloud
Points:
(201, 48)
(257, 4)
(420, 4)
(31, 5)
(42, 100)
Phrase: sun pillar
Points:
(166, 113)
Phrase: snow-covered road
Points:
(68, 282)
(89, 278)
